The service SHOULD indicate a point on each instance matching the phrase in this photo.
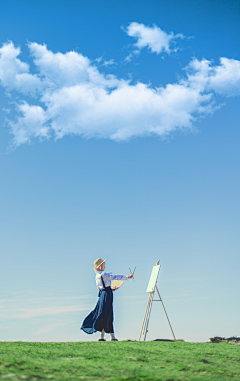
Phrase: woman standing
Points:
(101, 318)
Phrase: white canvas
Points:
(153, 278)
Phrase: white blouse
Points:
(106, 278)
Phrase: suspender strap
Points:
(103, 282)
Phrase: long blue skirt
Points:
(102, 315)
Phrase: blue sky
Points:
(119, 139)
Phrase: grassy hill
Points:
(120, 361)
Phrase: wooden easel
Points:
(152, 287)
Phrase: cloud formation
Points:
(153, 38)
(68, 95)
(38, 307)
(223, 79)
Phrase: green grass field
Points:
(120, 361)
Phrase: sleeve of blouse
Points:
(110, 276)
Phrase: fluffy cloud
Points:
(69, 95)
(61, 70)
(223, 79)
(14, 74)
(154, 38)
(31, 123)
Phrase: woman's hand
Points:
(131, 276)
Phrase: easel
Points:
(152, 286)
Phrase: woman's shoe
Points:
(114, 339)
(101, 340)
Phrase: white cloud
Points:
(47, 328)
(65, 70)
(37, 307)
(46, 311)
(223, 79)
(14, 74)
(109, 62)
(31, 123)
(154, 38)
(131, 55)
(71, 96)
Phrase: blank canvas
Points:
(153, 278)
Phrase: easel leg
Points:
(146, 317)
(165, 313)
